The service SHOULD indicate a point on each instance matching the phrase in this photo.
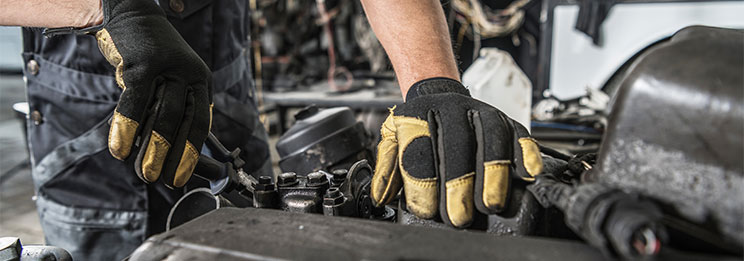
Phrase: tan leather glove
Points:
(167, 91)
(451, 154)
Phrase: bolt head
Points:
(287, 179)
(340, 174)
(333, 197)
(316, 179)
(264, 180)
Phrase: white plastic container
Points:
(495, 78)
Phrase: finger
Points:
(455, 152)
(125, 123)
(164, 136)
(154, 156)
(417, 166)
(527, 158)
(202, 115)
(491, 162)
(182, 157)
(121, 135)
(386, 182)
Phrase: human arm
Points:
(454, 156)
(415, 37)
(51, 13)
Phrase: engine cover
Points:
(676, 125)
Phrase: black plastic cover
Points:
(321, 138)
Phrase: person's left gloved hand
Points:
(166, 102)
(451, 154)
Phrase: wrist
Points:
(435, 85)
(92, 16)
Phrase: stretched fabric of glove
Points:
(451, 154)
(167, 91)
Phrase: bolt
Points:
(339, 175)
(287, 179)
(264, 180)
(264, 183)
(316, 179)
(333, 197)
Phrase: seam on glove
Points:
(211, 114)
(421, 196)
(459, 181)
(494, 163)
(424, 183)
(108, 48)
(459, 200)
(399, 120)
(387, 130)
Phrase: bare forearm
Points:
(51, 13)
(415, 36)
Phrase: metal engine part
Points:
(323, 139)
(620, 224)
(261, 234)
(265, 234)
(675, 130)
(12, 249)
(341, 193)
(523, 216)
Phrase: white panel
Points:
(577, 63)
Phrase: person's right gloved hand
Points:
(167, 91)
(451, 154)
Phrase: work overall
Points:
(90, 203)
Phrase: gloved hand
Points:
(451, 153)
(166, 101)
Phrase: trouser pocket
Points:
(114, 233)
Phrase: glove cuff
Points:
(435, 86)
(50, 32)
(111, 8)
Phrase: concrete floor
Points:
(18, 216)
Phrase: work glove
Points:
(451, 154)
(166, 102)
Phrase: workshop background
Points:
(558, 59)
